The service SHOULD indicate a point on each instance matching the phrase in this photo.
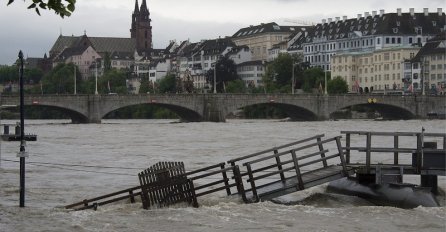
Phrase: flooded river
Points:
(70, 162)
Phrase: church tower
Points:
(141, 29)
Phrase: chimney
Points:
(337, 19)
(329, 20)
(426, 11)
(412, 11)
(440, 11)
(324, 21)
(344, 18)
(381, 12)
(374, 13)
(366, 14)
(359, 16)
(398, 10)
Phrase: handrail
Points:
(275, 148)
(286, 152)
(86, 201)
(396, 149)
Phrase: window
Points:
(378, 41)
(410, 40)
(387, 40)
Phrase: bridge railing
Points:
(417, 149)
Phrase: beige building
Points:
(261, 38)
(378, 71)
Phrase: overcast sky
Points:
(23, 29)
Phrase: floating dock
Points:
(293, 167)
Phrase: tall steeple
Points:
(144, 6)
(136, 11)
(141, 29)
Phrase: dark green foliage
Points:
(237, 86)
(278, 75)
(226, 71)
(337, 86)
(167, 84)
(60, 7)
(60, 80)
(10, 74)
(314, 78)
(113, 81)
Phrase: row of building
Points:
(379, 51)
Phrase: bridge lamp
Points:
(96, 77)
(293, 79)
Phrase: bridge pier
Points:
(213, 110)
(94, 109)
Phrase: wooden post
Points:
(321, 148)
(395, 145)
(239, 182)
(298, 174)
(341, 156)
(419, 149)
(347, 150)
(253, 185)
(279, 165)
(368, 152)
(225, 178)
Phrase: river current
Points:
(70, 163)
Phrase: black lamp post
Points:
(22, 154)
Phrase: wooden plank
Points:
(321, 149)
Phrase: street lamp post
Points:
(96, 78)
(325, 87)
(22, 154)
(292, 79)
(215, 77)
(75, 90)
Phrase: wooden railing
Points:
(368, 149)
(93, 203)
(284, 162)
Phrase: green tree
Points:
(313, 78)
(278, 75)
(167, 84)
(337, 86)
(9, 74)
(226, 71)
(236, 86)
(60, 7)
(60, 80)
(113, 81)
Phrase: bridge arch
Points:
(293, 108)
(387, 111)
(294, 112)
(76, 117)
(185, 114)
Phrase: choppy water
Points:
(133, 145)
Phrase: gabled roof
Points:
(265, 28)
(387, 24)
(436, 45)
(122, 56)
(100, 44)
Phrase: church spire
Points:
(144, 7)
(136, 11)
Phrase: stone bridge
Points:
(215, 107)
